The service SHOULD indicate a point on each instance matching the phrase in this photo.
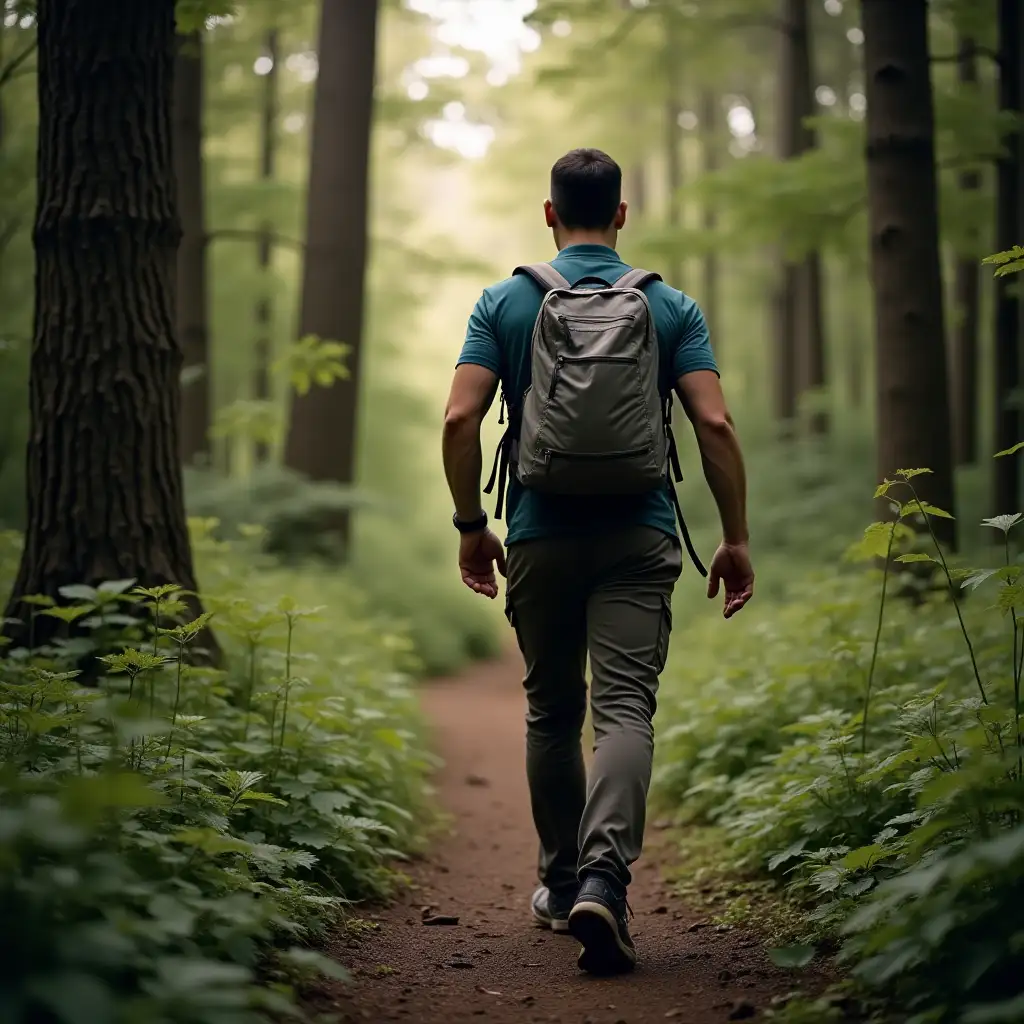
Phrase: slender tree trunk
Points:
(913, 421)
(804, 354)
(264, 309)
(709, 299)
(1006, 497)
(104, 471)
(638, 188)
(322, 435)
(673, 149)
(967, 298)
(785, 352)
(191, 267)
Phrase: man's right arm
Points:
(704, 403)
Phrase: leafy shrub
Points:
(174, 839)
(866, 751)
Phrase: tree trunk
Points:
(322, 435)
(191, 267)
(264, 309)
(673, 151)
(709, 299)
(913, 421)
(784, 368)
(104, 471)
(638, 188)
(967, 298)
(804, 354)
(1006, 497)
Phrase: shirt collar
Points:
(585, 249)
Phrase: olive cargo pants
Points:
(610, 595)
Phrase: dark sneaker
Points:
(598, 922)
(551, 910)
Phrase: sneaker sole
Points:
(554, 924)
(593, 925)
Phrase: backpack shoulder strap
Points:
(636, 278)
(544, 274)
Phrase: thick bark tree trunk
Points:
(191, 268)
(708, 115)
(802, 355)
(1006, 497)
(104, 471)
(913, 421)
(322, 435)
(264, 309)
(967, 298)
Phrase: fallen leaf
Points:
(448, 919)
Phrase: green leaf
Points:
(78, 592)
(909, 474)
(862, 857)
(926, 507)
(791, 957)
(1009, 451)
(309, 960)
(915, 556)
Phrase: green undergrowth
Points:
(175, 840)
(405, 570)
(859, 747)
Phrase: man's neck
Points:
(587, 238)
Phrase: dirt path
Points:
(494, 965)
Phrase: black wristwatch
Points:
(470, 525)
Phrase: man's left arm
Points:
(473, 389)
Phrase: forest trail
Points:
(495, 965)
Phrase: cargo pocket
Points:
(510, 614)
(664, 633)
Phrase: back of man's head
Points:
(586, 189)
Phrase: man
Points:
(589, 574)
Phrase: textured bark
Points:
(1006, 496)
(192, 321)
(322, 434)
(710, 137)
(913, 421)
(967, 298)
(264, 308)
(801, 355)
(104, 471)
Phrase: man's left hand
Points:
(478, 554)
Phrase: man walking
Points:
(588, 353)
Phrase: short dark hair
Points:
(586, 189)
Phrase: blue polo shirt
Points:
(499, 336)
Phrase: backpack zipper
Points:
(594, 456)
(627, 318)
(595, 359)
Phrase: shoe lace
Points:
(629, 911)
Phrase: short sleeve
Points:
(693, 350)
(481, 345)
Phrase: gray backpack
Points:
(593, 420)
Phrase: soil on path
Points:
(494, 965)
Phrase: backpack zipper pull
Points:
(501, 409)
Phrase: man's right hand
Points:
(731, 567)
